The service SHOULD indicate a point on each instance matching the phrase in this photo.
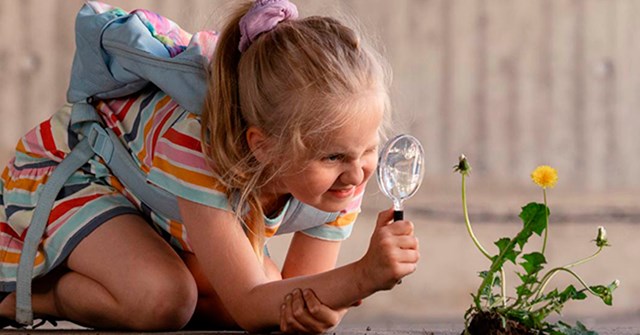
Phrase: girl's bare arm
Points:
(308, 255)
(254, 301)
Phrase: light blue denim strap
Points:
(82, 112)
(107, 145)
(74, 160)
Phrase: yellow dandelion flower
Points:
(545, 176)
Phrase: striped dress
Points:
(164, 140)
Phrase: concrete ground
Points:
(434, 298)
(407, 329)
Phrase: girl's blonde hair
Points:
(298, 83)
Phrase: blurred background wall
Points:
(511, 83)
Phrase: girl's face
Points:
(329, 183)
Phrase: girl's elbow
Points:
(255, 326)
(252, 320)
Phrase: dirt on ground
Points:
(488, 323)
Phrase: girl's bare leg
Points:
(122, 276)
(210, 312)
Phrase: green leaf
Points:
(534, 219)
(580, 329)
(533, 262)
(523, 290)
(604, 292)
(509, 252)
(497, 281)
(527, 278)
(570, 293)
(552, 294)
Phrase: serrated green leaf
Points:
(533, 262)
(527, 278)
(568, 293)
(502, 243)
(604, 292)
(523, 290)
(579, 329)
(534, 220)
(505, 247)
(552, 294)
(580, 296)
(497, 281)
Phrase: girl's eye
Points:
(334, 157)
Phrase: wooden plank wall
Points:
(511, 83)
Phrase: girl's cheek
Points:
(370, 167)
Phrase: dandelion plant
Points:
(525, 312)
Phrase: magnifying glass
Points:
(400, 170)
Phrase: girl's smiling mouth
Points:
(342, 193)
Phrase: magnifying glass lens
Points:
(400, 170)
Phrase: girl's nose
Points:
(354, 174)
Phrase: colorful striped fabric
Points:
(164, 140)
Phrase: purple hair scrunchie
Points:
(262, 17)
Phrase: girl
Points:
(291, 124)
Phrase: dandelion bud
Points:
(616, 283)
(463, 165)
(601, 238)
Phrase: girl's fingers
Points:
(401, 228)
(303, 315)
(320, 312)
(292, 325)
(303, 312)
(284, 327)
(384, 218)
(403, 255)
(408, 256)
(407, 242)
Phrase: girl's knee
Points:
(172, 309)
(166, 303)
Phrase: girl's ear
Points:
(257, 141)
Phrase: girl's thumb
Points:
(385, 217)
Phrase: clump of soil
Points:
(489, 323)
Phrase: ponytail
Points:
(223, 129)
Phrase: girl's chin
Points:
(334, 204)
(328, 202)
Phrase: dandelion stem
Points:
(547, 277)
(503, 287)
(546, 215)
(468, 223)
(503, 277)
(575, 275)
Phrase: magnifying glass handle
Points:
(398, 215)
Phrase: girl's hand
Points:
(302, 312)
(393, 253)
